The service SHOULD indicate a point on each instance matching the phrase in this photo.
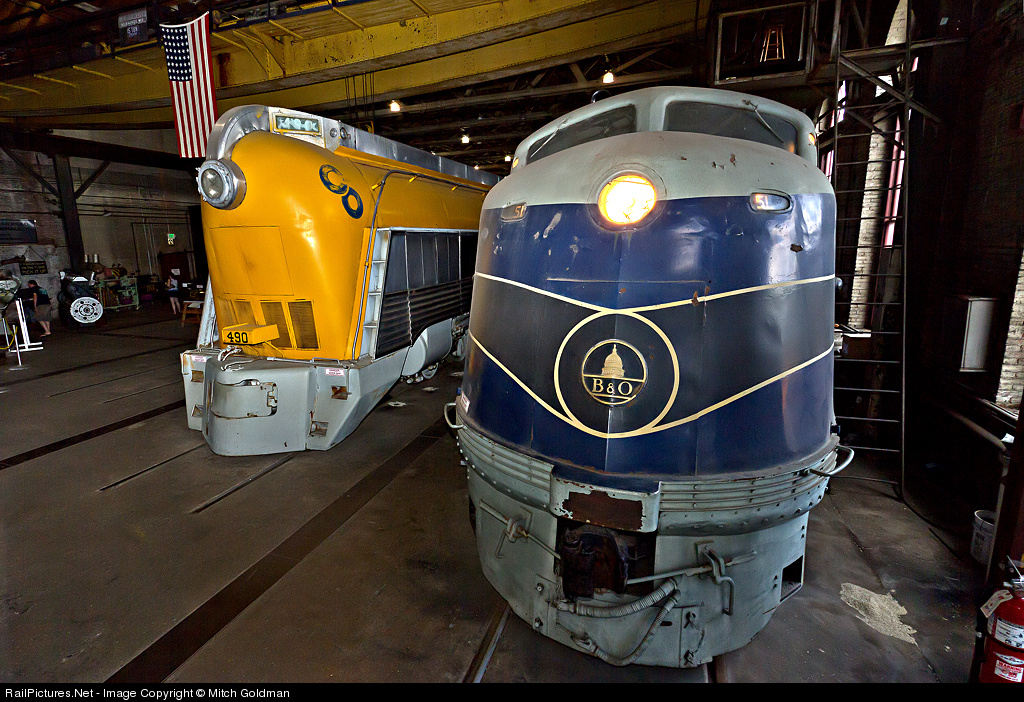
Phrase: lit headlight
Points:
(221, 184)
(769, 202)
(627, 199)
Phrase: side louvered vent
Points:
(303, 324)
(225, 313)
(273, 313)
(429, 279)
(243, 312)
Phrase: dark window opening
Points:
(734, 122)
(621, 120)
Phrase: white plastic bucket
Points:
(984, 530)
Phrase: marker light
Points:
(515, 162)
(769, 202)
(626, 199)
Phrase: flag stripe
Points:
(187, 50)
(208, 95)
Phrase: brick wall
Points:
(980, 236)
(991, 237)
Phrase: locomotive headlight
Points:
(769, 202)
(627, 199)
(221, 184)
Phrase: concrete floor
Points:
(117, 562)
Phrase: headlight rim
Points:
(628, 169)
(234, 181)
(605, 189)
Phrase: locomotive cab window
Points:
(621, 120)
(734, 122)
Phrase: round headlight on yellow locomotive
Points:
(626, 199)
(221, 184)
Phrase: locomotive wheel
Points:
(461, 348)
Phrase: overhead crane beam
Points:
(503, 41)
(98, 151)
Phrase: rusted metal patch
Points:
(598, 507)
(609, 507)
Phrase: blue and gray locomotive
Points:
(646, 414)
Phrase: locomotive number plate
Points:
(248, 334)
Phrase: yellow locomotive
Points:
(340, 263)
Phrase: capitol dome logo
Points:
(614, 372)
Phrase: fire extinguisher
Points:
(1003, 657)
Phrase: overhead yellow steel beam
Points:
(262, 42)
(420, 7)
(356, 51)
(222, 36)
(642, 24)
(420, 38)
(54, 80)
(122, 59)
(346, 17)
(92, 72)
(20, 87)
(285, 29)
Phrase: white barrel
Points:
(984, 530)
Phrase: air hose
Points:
(623, 610)
(587, 644)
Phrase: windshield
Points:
(621, 120)
(738, 123)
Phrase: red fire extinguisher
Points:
(1003, 659)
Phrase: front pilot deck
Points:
(131, 552)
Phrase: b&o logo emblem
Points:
(350, 200)
(613, 372)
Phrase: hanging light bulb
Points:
(507, 158)
(465, 138)
(608, 77)
(395, 106)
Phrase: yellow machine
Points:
(340, 263)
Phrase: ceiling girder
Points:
(80, 148)
(100, 101)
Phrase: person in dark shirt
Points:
(40, 303)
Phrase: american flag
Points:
(187, 48)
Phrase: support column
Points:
(69, 211)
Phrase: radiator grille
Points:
(302, 324)
(225, 313)
(395, 332)
(243, 312)
(407, 313)
(273, 313)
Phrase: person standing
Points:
(40, 301)
(173, 292)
